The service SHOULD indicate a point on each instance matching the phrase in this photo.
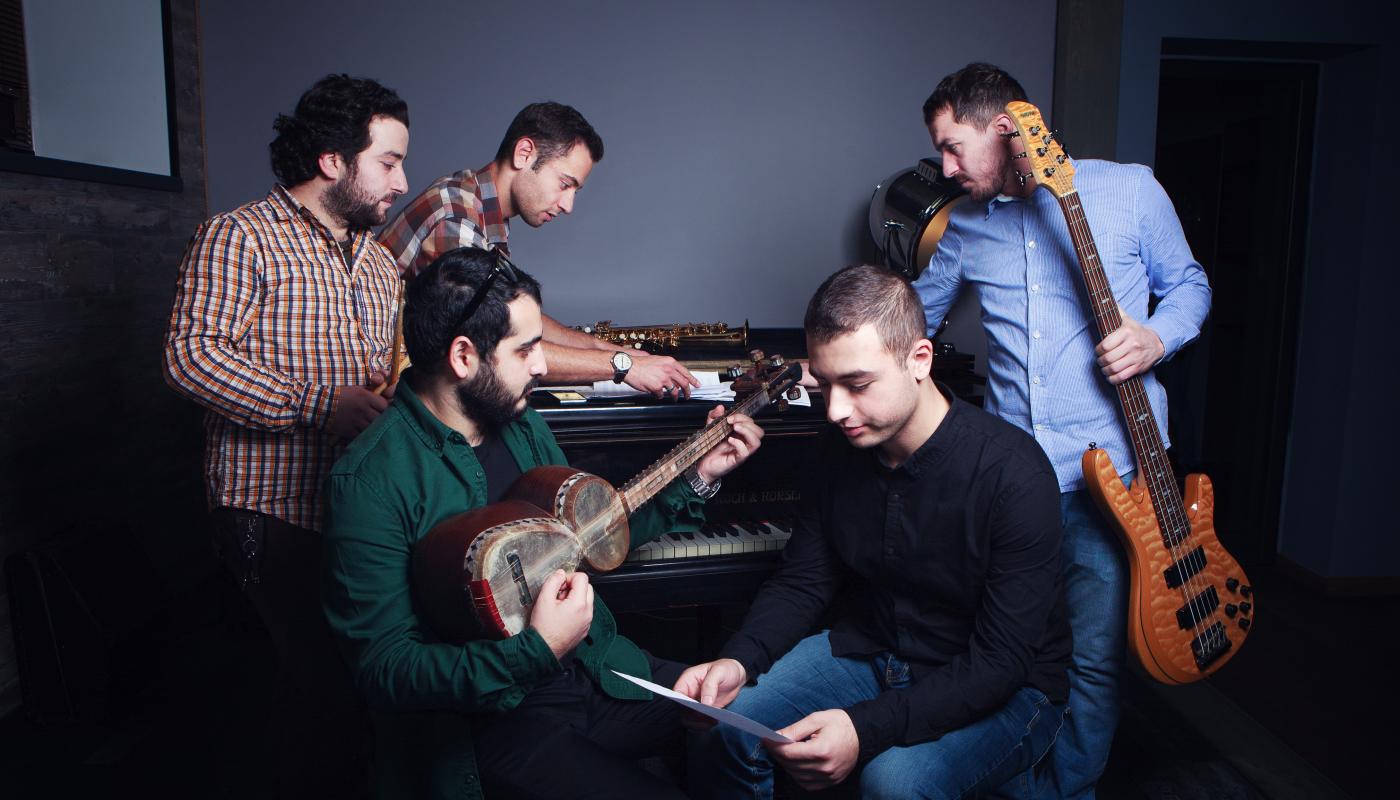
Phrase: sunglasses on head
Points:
(503, 267)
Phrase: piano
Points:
(750, 519)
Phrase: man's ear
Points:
(524, 151)
(462, 358)
(920, 361)
(1003, 124)
(330, 163)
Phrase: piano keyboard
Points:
(715, 539)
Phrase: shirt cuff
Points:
(875, 722)
(1172, 336)
(317, 405)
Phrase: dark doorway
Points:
(1234, 152)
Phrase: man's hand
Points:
(732, 451)
(356, 407)
(824, 749)
(379, 384)
(662, 376)
(1130, 350)
(563, 611)
(715, 683)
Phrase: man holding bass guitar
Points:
(1046, 365)
(537, 714)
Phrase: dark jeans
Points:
(318, 719)
(568, 739)
(991, 756)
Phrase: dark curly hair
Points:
(555, 128)
(437, 297)
(976, 93)
(332, 117)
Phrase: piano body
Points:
(750, 519)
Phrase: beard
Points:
(989, 183)
(485, 400)
(346, 201)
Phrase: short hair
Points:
(331, 117)
(555, 128)
(976, 94)
(438, 296)
(862, 294)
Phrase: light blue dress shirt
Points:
(1042, 374)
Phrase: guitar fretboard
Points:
(1153, 465)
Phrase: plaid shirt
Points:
(457, 210)
(268, 321)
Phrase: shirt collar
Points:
(493, 226)
(998, 200)
(938, 442)
(434, 433)
(285, 206)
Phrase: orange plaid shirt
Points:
(456, 210)
(269, 320)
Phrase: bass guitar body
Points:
(1185, 613)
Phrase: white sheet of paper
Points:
(724, 715)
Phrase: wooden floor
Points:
(1291, 716)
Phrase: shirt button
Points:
(1036, 380)
(1039, 426)
(1035, 334)
(1031, 244)
(1035, 287)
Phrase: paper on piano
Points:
(724, 715)
(710, 388)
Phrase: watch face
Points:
(621, 360)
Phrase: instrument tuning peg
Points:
(1010, 134)
(1022, 176)
(1021, 154)
(735, 371)
(776, 361)
(794, 393)
(1035, 130)
(756, 356)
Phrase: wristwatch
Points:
(705, 490)
(621, 362)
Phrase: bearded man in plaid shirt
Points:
(281, 329)
(542, 163)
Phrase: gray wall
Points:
(1334, 518)
(743, 139)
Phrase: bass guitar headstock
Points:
(1050, 165)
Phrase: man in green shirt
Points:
(539, 713)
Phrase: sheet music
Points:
(710, 389)
(723, 715)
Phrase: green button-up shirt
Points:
(401, 476)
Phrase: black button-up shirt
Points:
(950, 561)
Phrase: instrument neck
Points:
(1154, 468)
(670, 466)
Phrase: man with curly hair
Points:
(281, 329)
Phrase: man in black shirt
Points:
(931, 532)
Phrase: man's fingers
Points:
(553, 585)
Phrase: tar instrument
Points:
(1190, 604)
(909, 213)
(656, 339)
(476, 574)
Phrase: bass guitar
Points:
(1190, 606)
(475, 574)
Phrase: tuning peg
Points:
(794, 393)
(756, 356)
(1021, 154)
(1010, 135)
(1040, 151)
(1049, 172)
(735, 371)
(776, 361)
(1035, 130)
(1022, 177)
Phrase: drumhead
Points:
(909, 213)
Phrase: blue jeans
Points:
(1096, 592)
(726, 763)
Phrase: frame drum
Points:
(909, 213)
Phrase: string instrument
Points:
(1190, 605)
(476, 573)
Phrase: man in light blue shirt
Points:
(1048, 372)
